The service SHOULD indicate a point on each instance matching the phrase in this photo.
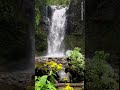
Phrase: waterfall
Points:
(57, 32)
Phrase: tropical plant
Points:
(48, 66)
(41, 83)
(99, 74)
(77, 61)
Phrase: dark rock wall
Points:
(74, 22)
(16, 34)
(75, 28)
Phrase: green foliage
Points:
(99, 74)
(77, 60)
(49, 68)
(101, 56)
(37, 19)
(7, 9)
(40, 66)
(40, 35)
(41, 41)
(46, 82)
(41, 83)
(39, 4)
(58, 2)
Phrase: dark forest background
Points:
(102, 23)
(102, 29)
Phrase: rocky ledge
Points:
(43, 59)
(16, 80)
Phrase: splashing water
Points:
(57, 32)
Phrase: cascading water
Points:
(57, 32)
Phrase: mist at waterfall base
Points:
(56, 47)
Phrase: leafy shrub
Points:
(41, 83)
(46, 82)
(99, 74)
(48, 66)
(77, 63)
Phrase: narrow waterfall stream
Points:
(57, 32)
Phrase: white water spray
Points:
(57, 32)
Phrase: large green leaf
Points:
(50, 86)
(43, 80)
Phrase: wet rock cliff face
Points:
(75, 27)
(74, 22)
